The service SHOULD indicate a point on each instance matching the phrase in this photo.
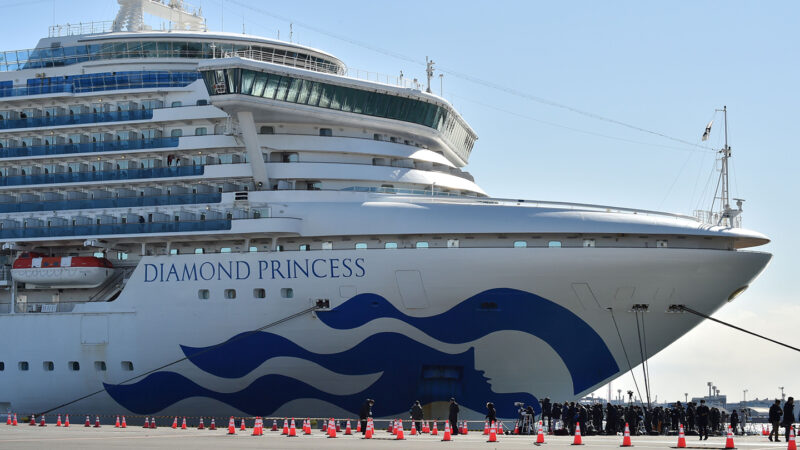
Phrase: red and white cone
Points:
(153, 423)
(213, 425)
(492, 432)
(446, 436)
(66, 420)
(8, 419)
(486, 428)
(369, 431)
(122, 425)
(792, 445)
(232, 426)
(285, 431)
(32, 422)
(175, 423)
(681, 437)
(201, 425)
(116, 423)
(347, 430)
(577, 440)
(466, 428)
(58, 421)
(15, 422)
(729, 440)
(274, 424)
(413, 428)
(42, 422)
(257, 427)
(540, 434)
(399, 434)
(97, 421)
(292, 429)
(358, 426)
(331, 429)
(244, 426)
(626, 437)
(183, 424)
(146, 422)
(434, 431)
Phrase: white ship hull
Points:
(542, 339)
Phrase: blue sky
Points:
(661, 66)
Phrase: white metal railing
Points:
(80, 28)
(292, 61)
(713, 218)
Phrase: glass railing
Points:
(106, 81)
(382, 190)
(117, 202)
(91, 147)
(115, 228)
(111, 175)
(77, 119)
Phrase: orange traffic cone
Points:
(368, 432)
(358, 426)
(500, 427)
(466, 427)
(42, 422)
(338, 426)
(232, 426)
(394, 427)
(486, 428)
(792, 444)
(97, 421)
(146, 422)
(425, 428)
(58, 421)
(257, 427)
(347, 430)
(243, 427)
(32, 421)
(492, 432)
(66, 420)
(764, 431)
(183, 424)
(446, 436)
(213, 425)
(122, 425)
(274, 424)
(201, 425)
(175, 423)
(399, 434)
(516, 428)
(413, 428)
(285, 431)
(15, 422)
(8, 419)
(681, 437)
(434, 431)
(626, 438)
(116, 424)
(292, 429)
(540, 434)
(729, 440)
(153, 423)
(331, 429)
(577, 440)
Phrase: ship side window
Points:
(122, 256)
(177, 132)
(174, 251)
(200, 131)
(23, 366)
(202, 102)
(2, 366)
(287, 292)
(554, 244)
(259, 293)
(100, 366)
(390, 245)
(588, 242)
(177, 104)
(225, 250)
(48, 366)
(74, 366)
(422, 244)
(452, 243)
(199, 251)
(253, 249)
(127, 366)
(325, 132)
(203, 294)
(520, 244)
(361, 245)
(662, 244)
(304, 247)
(377, 137)
(267, 130)
(327, 245)
(230, 294)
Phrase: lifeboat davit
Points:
(61, 271)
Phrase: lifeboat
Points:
(61, 271)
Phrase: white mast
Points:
(131, 14)
(727, 214)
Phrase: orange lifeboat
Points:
(61, 271)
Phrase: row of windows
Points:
(107, 81)
(230, 294)
(341, 98)
(72, 366)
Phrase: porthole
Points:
(520, 244)
(554, 244)
(259, 293)
(203, 294)
(361, 245)
(23, 365)
(48, 366)
(287, 292)
(230, 294)
(127, 366)
(100, 366)
(390, 245)
(74, 366)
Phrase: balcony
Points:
(77, 119)
(117, 202)
(92, 147)
(115, 228)
(111, 175)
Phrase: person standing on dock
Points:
(788, 416)
(735, 421)
(365, 413)
(775, 414)
(416, 415)
(702, 420)
(454, 410)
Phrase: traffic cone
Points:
(8, 419)
(175, 423)
(466, 428)
(88, 423)
(358, 426)
(764, 431)
(274, 424)
(681, 437)
(285, 431)
(368, 432)
(153, 423)
(792, 444)
(413, 428)
(492, 433)
(394, 428)
(540, 434)
(338, 426)
(66, 420)
(516, 428)
(123, 425)
(292, 430)
(331, 429)
(500, 427)
(97, 421)
(58, 421)
(486, 428)
(243, 427)
(399, 434)
(183, 425)
(729, 440)
(32, 421)
(577, 440)
(42, 422)
(201, 426)
(213, 425)
(231, 426)
(446, 436)
(347, 430)
(626, 438)
(307, 431)
(257, 427)
(146, 422)
(435, 431)
(116, 424)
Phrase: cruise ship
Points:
(209, 223)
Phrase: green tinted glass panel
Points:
(357, 99)
(316, 90)
(283, 88)
(393, 111)
(326, 96)
(259, 84)
(305, 89)
(248, 76)
(337, 92)
(272, 86)
(294, 89)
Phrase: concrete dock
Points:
(78, 437)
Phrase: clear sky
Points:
(661, 66)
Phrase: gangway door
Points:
(412, 291)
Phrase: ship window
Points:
(127, 366)
(422, 244)
(177, 104)
(230, 294)
(202, 102)
(287, 292)
(452, 243)
(588, 242)
(199, 251)
(122, 256)
(377, 137)
(325, 132)
(520, 244)
(260, 83)
(225, 250)
(304, 247)
(2, 366)
(200, 131)
(176, 132)
(327, 245)
(247, 81)
(259, 293)
(100, 366)
(253, 249)
(48, 366)
(662, 244)
(74, 366)
(267, 130)
(203, 294)
(390, 245)
(173, 251)
(98, 254)
(279, 248)
(23, 365)
(554, 244)
(361, 245)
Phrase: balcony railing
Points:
(90, 147)
(115, 228)
(110, 175)
(116, 202)
(77, 119)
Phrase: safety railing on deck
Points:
(89, 147)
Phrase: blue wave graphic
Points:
(583, 351)
(411, 371)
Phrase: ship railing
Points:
(110, 202)
(28, 307)
(89, 147)
(81, 28)
(101, 82)
(285, 60)
(714, 218)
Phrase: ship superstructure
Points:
(245, 203)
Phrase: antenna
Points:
(291, 31)
(429, 72)
(728, 214)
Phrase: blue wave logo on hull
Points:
(410, 370)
